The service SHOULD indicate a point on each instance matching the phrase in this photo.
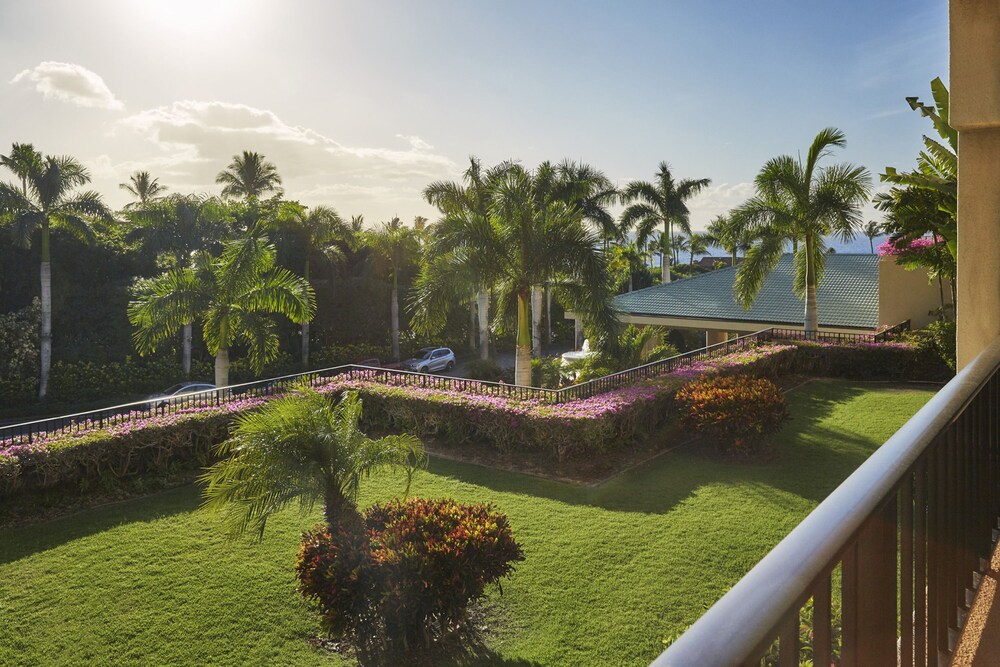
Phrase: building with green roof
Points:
(858, 293)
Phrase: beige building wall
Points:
(907, 295)
(975, 112)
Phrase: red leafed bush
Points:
(410, 576)
(738, 411)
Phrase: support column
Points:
(713, 336)
(975, 112)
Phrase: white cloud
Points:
(71, 83)
(717, 200)
(195, 140)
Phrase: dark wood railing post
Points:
(869, 593)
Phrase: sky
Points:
(360, 105)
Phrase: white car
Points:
(176, 394)
(431, 359)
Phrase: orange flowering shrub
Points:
(738, 411)
(409, 574)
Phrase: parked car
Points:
(177, 393)
(431, 359)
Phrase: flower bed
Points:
(591, 426)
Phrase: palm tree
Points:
(179, 226)
(248, 176)
(592, 193)
(48, 197)
(871, 230)
(659, 203)
(730, 233)
(144, 188)
(396, 245)
(451, 255)
(301, 447)
(22, 160)
(797, 200)
(318, 230)
(698, 245)
(233, 295)
(531, 236)
(679, 244)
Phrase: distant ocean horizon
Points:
(857, 246)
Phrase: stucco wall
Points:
(907, 295)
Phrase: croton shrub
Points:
(738, 412)
(408, 575)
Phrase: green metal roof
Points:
(847, 296)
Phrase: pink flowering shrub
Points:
(892, 247)
(93, 456)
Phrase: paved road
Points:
(504, 359)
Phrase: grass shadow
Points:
(17, 543)
(813, 458)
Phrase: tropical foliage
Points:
(661, 202)
(47, 196)
(300, 447)
(799, 201)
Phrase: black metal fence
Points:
(26, 432)
(840, 337)
(906, 536)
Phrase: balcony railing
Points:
(896, 550)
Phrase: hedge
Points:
(591, 426)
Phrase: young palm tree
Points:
(248, 177)
(661, 202)
(397, 245)
(301, 447)
(530, 236)
(318, 231)
(144, 188)
(797, 200)
(48, 197)
(233, 295)
(679, 244)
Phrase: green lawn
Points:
(610, 571)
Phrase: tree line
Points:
(508, 242)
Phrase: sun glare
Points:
(195, 17)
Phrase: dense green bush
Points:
(737, 411)
(408, 575)
(484, 369)
(869, 361)
(547, 372)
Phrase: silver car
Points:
(178, 393)
(431, 359)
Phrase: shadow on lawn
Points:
(804, 466)
(18, 543)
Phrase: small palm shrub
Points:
(546, 372)
(738, 411)
(407, 578)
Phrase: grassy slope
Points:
(610, 571)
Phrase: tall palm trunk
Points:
(472, 323)
(812, 309)
(536, 321)
(186, 353)
(548, 314)
(735, 248)
(665, 254)
(45, 336)
(305, 325)
(222, 367)
(484, 323)
(395, 316)
(522, 356)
